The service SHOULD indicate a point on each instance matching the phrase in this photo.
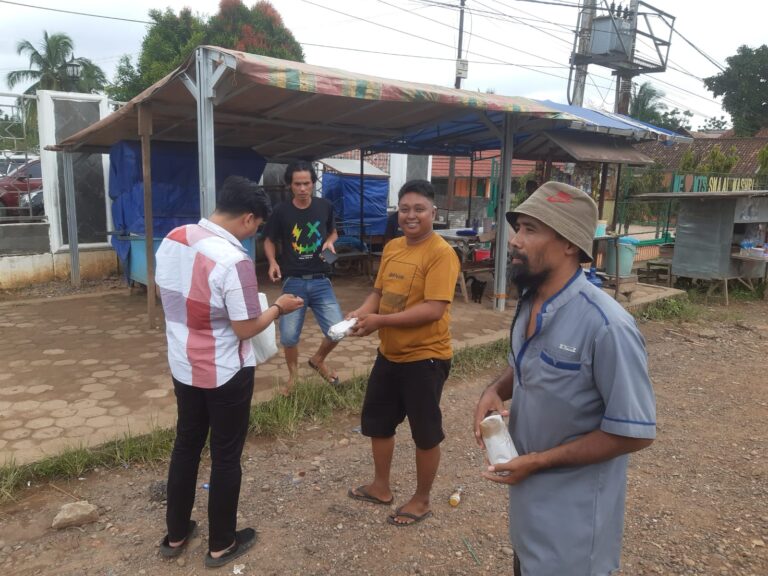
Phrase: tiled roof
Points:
(671, 156)
(482, 167)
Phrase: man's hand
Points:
(490, 401)
(514, 471)
(289, 302)
(366, 323)
(328, 244)
(274, 272)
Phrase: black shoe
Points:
(244, 540)
(169, 551)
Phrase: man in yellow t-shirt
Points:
(410, 307)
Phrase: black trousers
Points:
(517, 569)
(224, 411)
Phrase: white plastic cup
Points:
(498, 443)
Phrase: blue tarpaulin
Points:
(344, 192)
(175, 186)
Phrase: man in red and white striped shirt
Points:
(208, 287)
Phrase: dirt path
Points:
(696, 504)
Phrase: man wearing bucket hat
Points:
(582, 399)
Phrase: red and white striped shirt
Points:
(206, 280)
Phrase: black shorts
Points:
(399, 389)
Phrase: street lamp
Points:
(74, 69)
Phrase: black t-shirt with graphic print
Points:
(301, 233)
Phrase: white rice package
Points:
(498, 442)
(339, 330)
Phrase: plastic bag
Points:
(265, 342)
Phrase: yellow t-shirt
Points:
(409, 275)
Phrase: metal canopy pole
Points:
(145, 132)
(468, 222)
(205, 148)
(362, 195)
(500, 265)
(72, 240)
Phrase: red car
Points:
(24, 179)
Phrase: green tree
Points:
(715, 123)
(171, 38)
(645, 103)
(762, 161)
(48, 67)
(744, 88)
(258, 30)
(713, 162)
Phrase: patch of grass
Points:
(311, 400)
(669, 309)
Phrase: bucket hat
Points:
(567, 210)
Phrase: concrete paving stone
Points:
(111, 361)
(70, 327)
(87, 380)
(266, 368)
(147, 355)
(25, 405)
(109, 403)
(40, 362)
(92, 412)
(83, 403)
(47, 433)
(65, 362)
(39, 389)
(94, 332)
(10, 424)
(4, 405)
(121, 336)
(3, 443)
(102, 374)
(5, 376)
(119, 411)
(102, 395)
(126, 373)
(25, 325)
(54, 351)
(88, 362)
(64, 412)
(50, 405)
(21, 445)
(100, 422)
(70, 422)
(112, 381)
(119, 367)
(156, 393)
(16, 433)
(93, 345)
(78, 432)
(17, 363)
(97, 387)
(38, 423)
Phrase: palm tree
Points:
(645, 103)
(48, 67)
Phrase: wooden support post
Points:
(145, 132)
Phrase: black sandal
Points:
(168, 551)
(244, 540)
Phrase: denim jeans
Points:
(318, 295)
(225, 412)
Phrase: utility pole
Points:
(461, 72)
(583, 37)
(624, 79)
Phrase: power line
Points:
(76, 13)
(476, 35)
(700, 51)
(418, 56)
(411, 35)
(499, 13)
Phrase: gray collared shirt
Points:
(585, 368)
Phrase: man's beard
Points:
(521, 274)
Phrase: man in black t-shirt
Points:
(304, 227)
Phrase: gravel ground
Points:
(696, 498)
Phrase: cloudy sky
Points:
(514, 47)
